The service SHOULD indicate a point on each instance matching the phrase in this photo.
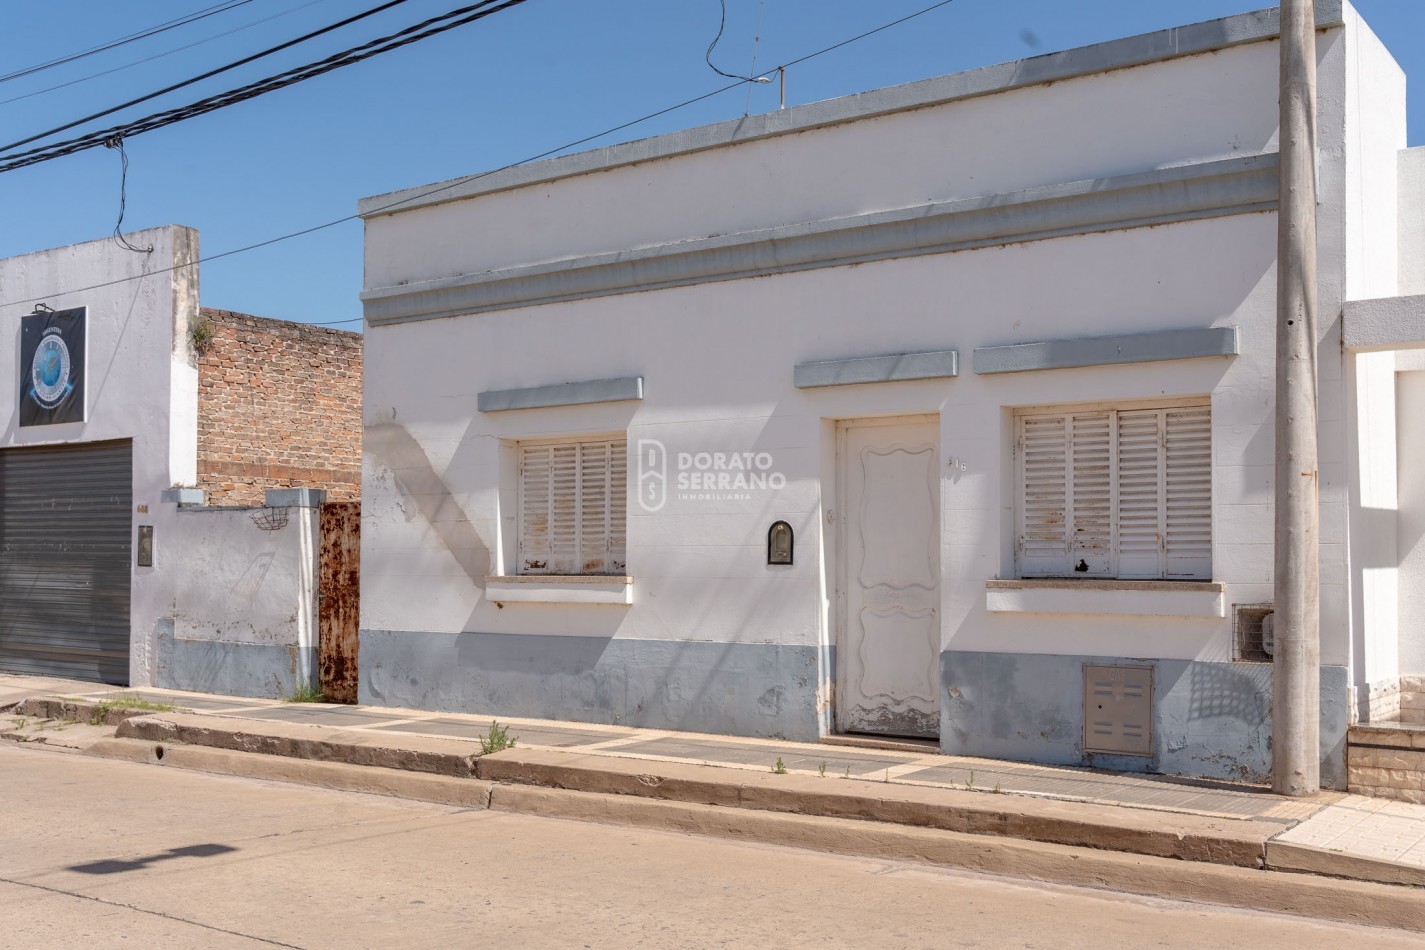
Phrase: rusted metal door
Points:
(339, 600)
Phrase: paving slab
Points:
(466, 728)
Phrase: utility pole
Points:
(1296, 670)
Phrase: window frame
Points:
(1113, 571)
(617, 500)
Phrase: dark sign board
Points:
(52, 367)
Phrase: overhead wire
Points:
(144, 34)
(199, 78)
(721, 26)
(166, 53)
(467, 179)
(386, 44)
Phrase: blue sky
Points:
(485, 95)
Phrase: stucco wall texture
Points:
(279, 406)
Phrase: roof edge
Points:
(1143, 49)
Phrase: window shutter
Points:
(1140, 494)
(1188, 479)
(1091, 518)
(594, 507)
(1124, 493)
(618, 508)
(1044, 510)
(534, 509)
(573, 508)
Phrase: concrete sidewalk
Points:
(439, 755)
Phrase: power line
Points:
(208, 75)
(475, 177)
(124, 40)
(721, 26)
(149, 59)
(385, 44)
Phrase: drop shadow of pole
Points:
(112, 866)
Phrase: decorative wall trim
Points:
(555, 589)
(562, 394)
(1162, 196)
(1162, 46)
(1386, 323)
(1124, 602)
(939, 364)
(1108, 350)
(295, 497)
(183, 496)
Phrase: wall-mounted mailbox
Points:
(145, 545)
(779, 543)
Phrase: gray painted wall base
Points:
(263, 670)
(745, 689)
(1211, 720)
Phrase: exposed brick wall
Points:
(279, 406)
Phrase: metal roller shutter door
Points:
(65, 540)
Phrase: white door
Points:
(888, 643)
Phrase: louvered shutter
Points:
(1140, 494)
(1091, 476)
(572, 508)
(1117, 493)
(1188, 479)
(1044, 504)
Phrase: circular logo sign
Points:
(49, 373)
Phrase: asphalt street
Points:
(99, 853)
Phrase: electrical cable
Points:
(468, 178)
(412, 34)
(722, 25)
(124, 40)
(110, 133)
(149, 59)
(124, 199)
(756, 47)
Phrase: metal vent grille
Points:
(1248, 632)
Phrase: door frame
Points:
(841, 548)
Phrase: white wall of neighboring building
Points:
(142, 382)
(1410, 389)
(1374, 135)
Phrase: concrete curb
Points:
(1160, 834)
(1321, 898)
(1301, 895)
(78, 710)
(452, 757)
(1305, 859)
(341, 776)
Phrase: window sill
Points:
(1194, 600)
(560, 589)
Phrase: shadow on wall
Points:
(392, 447)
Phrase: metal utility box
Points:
(1118, 709)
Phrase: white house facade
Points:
(943, 411)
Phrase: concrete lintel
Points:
(562, 394)
(1162, 196)
(937, 364)
(1386, 323)
(1161, 46)
(295, 497)
(184, 497)
(1107, 350)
